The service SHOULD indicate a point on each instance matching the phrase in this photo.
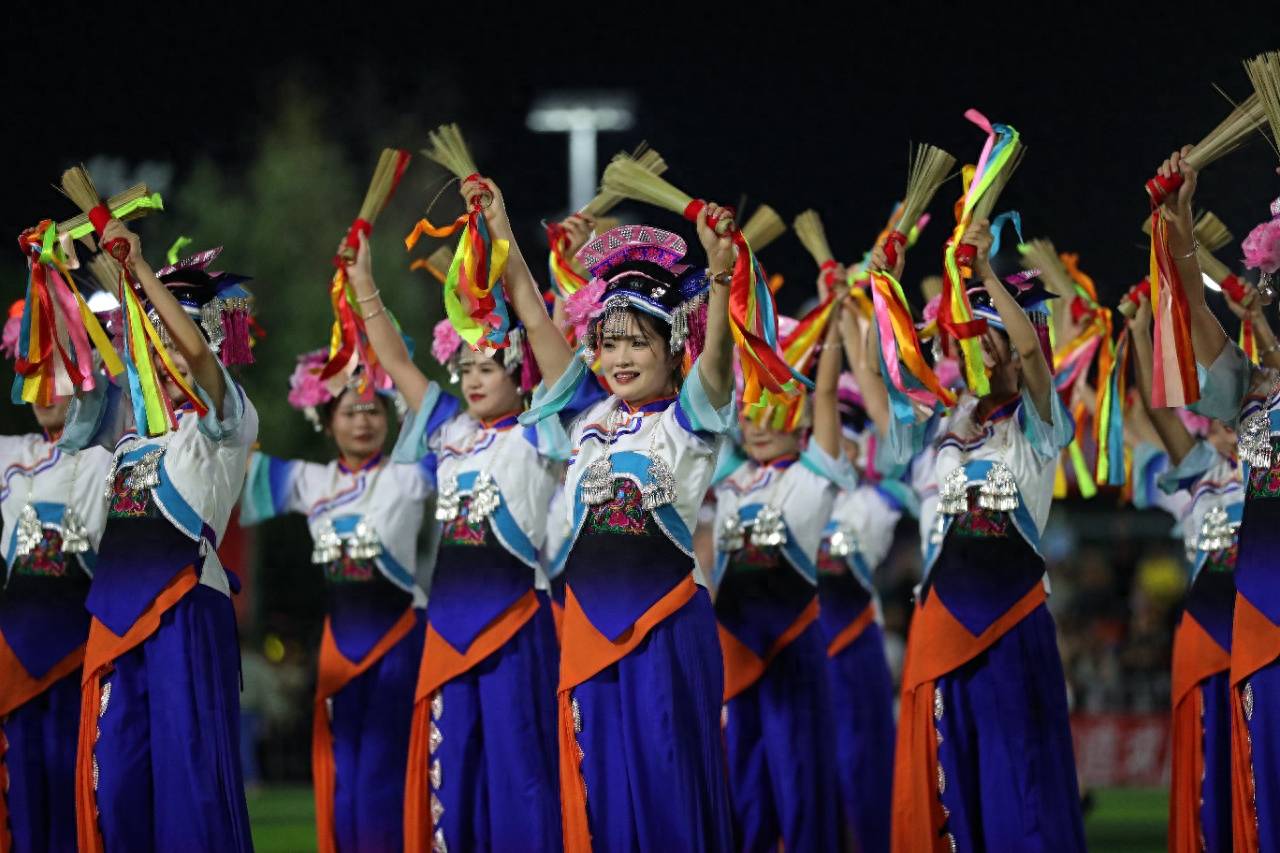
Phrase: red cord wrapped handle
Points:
(892, 244)
(1160, 188)
(721, 224)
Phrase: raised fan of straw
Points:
(105, 271)
(1211, 266)
(629, 179)
(929, 168)
(439, 261)
(811, 234)
(1040, 254)
(1264, 73)
(1228, 135)
(1209, 231)
(118, 200)
(605, 201)
(78, 186)
(985, 205)
(763, 227)
(446, 146)
(382, 185)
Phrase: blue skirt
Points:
(166, 759)
(40, 763)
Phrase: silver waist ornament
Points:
(1000, 491)
(145, 473)
(448, 500)
(485, 498)
(731, 536)
(1217, 531)
(953, 497)
(75, 536)
(842, 542)
(1253, 442)
(768, 531)
(29, 532)
(327, 547)
(364, 543)
(597, 481)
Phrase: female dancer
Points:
(1205, 476)
(53, 512)
(984, 755)
(158, 765)
(364, 515)
(482, 754)
(1239, 393)
(778, 716)
(641, 679)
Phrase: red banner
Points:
(1122, 750)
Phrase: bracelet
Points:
(725, 277)
(370, 297)
(1195, 244)
(368, 317)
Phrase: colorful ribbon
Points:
(899, 348)
(1174, 381)
(146, 202)
(473, 302)
(955, 315)
(753, 321)
(1108, 419)
(564, 277)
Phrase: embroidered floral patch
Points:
(1223, 560)
(755, 558)
(622, 514)
(130, 503)
(980, 523)
(1265, 482)
(348, 569)
(45, 559)
(462, 529)
(829, 565)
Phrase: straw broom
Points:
(605, 201)
(1041, 255)
(1264, 73)
(763, 227)
(386, 175)
(987, 204)
(1209, 231)
(629, 179)
(811, 234)
(1219, 142)
(118, 200)
(928, 171)
(437, 263)
(78, 186)
(446, 146)
(105, 271)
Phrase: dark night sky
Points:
(796, 112)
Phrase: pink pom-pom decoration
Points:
(932, 308)
(445, 341)
(1262, 247)
(306, 388)
(948, 372)
(9, 343)
(1197, 425)
(584, 305)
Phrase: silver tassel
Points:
(30, 533)
(211, 322)
(485, 498)
(1254, 440)
(953, 497)
(1217, 533)
(731, 537)
(145, 473)
(768, 531)
(938, 529)
(597, 482)
(448, 500)
(1000, 491)
(327, 547)
(364, 543)
(661, 489)
(842, 542)
(75, 536)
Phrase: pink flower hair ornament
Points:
(308, 392)
(1262, 251)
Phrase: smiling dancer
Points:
(482, 759)
(364, 515)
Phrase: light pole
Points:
(582, 115)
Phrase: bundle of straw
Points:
(105, 271)
(1212, 267)
(628, 178)
(1209, 231)
(117, 201)
(607, 223)
(763, 227)
(446, 146)
(987, 204)
(79, 187)
(386, 176)
(1041, 255)
(928, 171)
(437, 263)
(1219, 142)
(809, 230)
(605, 201)
(1264, 73)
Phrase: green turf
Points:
(1123, 820)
